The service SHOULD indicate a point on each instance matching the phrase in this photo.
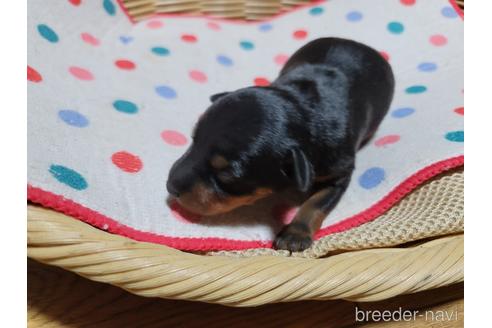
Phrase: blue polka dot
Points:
(449, 12)
(427, 67)
(455, 136)
(47, 33)
(371, 178)
(415, 89)
(265, 27)
(247, 45)
(73, 118)
(354, 16)
(125, 106)
(402, 112)
(316, 11)
(160, 51)
(68, 176)
(166, 92)
(224, 60)
(396, 27)
(109, 7)
(126, 39)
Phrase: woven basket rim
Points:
(243, 11)
(158, 271)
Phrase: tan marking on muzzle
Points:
(203, 200)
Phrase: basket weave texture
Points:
(157, 271)
(234, 9)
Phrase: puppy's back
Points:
(364, 81)
(348, 55)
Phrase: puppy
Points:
(301, 132)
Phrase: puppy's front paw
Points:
(294, 238)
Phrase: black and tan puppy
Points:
(302, 132)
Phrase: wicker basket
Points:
(364, 275)
(235, 9)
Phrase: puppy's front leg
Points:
(298, 235)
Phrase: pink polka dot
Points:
(154, 24)
(174, 138)
(300, 34)
(127, 162)
(198, 76)
(281, 59)
(213, 26)
(438, 40)
(387, 140)
(261, 82)
(81, 73)
(190, 38)
(284, 213)
(125, 64)
(385, 55)
(407, 2)
(460, 110)
(90, 39)
(182, 214)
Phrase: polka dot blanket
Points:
(112, 103)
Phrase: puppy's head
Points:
(241, 152)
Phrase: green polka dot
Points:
(415, 89)
(247, 45)
(316, 11)
(109, 7)
(455, 136)
(48, 33)
(160, 51)
(395, 27)
(125, 106)
(68, 176)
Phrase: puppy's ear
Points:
(216, 96)
(299, 169)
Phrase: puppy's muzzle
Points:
(203, 200)
(172, 189)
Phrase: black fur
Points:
(328, 99)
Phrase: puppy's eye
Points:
(219, 162)
(225, 177)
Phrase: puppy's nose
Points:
(171, 189)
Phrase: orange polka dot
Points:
(33, 75)
(300, 34)
(125, 64)
(127, 162)
(407, 2)
(261, 82)
(190, 38)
